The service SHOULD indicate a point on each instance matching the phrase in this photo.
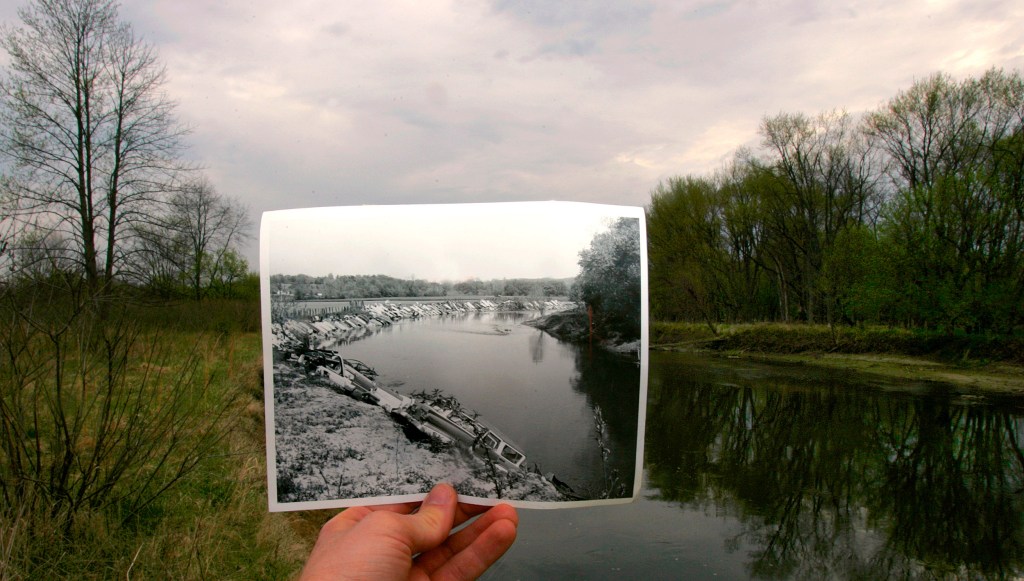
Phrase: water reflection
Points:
(609, 382)
(537, 346)
(835, 479)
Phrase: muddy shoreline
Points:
(994, 377)
(997, 377)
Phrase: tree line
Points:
(94, 186)
(302, 286)
(910, 215)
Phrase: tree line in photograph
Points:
(360, 286)
(911, 215)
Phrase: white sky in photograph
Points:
(310, 103)
(453, 242)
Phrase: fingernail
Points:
(439, 495)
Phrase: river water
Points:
(775, 472)
(540, 393)
(752, 471)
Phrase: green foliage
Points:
(914, 217)
(609, 280)
(686, 214)
(858, 272)
(955, 217)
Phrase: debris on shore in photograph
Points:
(573, 326)
(289, 330)
(340, 435)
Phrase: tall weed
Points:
(131, 448)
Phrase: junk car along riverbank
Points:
(438, 418)
(468, 431)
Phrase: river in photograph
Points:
(543, 394)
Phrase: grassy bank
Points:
(983, 361)
(208, 516)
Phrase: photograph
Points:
(501, 348)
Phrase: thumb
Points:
(430, 525)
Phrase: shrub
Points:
(95, 413)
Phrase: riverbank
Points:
(294, 327)
(331, 445)
(977, 362)
(572, 326)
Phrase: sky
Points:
(436, 242)
(309, 103)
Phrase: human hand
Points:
(392, 542)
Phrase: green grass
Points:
(213, 523)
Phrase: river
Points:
(759, 471)
(752, 471)
(541, 393)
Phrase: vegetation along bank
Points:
(980, 361)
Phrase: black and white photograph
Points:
(501, 348)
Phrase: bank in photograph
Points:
(499, 347)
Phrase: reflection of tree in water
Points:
(537, 346)
(611, 384)
(841, 481)
(963, 466)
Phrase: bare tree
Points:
(193, 243)
(210, 225)
(818, 182)
(6, 232)
(90, 137)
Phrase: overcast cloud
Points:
(315, 103)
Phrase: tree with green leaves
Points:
(686, 251)
(817, 183)
(955, 152)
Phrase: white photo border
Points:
(275, 219)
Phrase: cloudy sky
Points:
(307, 103)
(449, 242)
